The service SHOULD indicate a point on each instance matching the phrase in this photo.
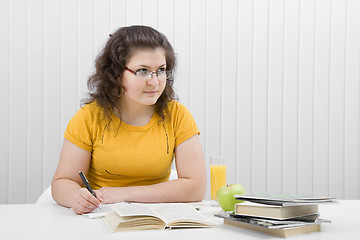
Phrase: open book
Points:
(136, 216)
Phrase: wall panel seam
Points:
(313, 107)
(344, 107)
(358, 149)
(329, 96)
(93, 29)
(190, 62)
(267, 99)
(221, 82)
(27, 102)
(77, 55)
(298, 98)
(282, 99)
(236, 87)
(205, 87)
(61, 68)
(9, 99)
(43, 93)
(252, 94)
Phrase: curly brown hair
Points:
(105, 85)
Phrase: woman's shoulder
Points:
(182, 121)
(91, 107)
(91, 110)
(177, 110)
(174, 106)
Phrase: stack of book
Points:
(277, 214)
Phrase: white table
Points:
(50, 221)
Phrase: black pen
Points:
(87, 185)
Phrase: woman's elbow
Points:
(199, 190)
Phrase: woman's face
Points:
(140, 91)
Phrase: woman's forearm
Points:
(179, 190)
(63, 191)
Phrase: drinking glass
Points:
(217, 175)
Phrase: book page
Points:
(133, 209)
(256, 204)
(100, 212)
(172, 212)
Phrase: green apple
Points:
(225, 196)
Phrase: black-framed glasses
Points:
(146, 75)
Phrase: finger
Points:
(84, 206)
(83, 202)
(90, 205)
(99, 195)
(90, 198)
(79, 209)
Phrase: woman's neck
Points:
(135, 115)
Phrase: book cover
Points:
(283, 199)
(282, 229)
(274, 211)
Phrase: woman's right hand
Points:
(84, 202)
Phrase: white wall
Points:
(273, 85)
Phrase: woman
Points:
(129, 130)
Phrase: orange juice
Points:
(217, 178)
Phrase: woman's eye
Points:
(142, 71)
(161, 70)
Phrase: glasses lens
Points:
(161, 73)
(142, 73)
(146, 75)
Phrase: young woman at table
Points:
(129, 130)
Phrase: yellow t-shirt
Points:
(124, 155)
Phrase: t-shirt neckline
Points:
(154, 119)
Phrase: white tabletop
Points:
(50, 221)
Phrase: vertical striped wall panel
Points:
(273, 85)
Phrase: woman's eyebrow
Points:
(145, 66)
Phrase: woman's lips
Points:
(150, 92)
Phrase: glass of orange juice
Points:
(217, 175)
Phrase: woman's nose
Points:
(154, 80)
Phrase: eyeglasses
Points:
(146, 75)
